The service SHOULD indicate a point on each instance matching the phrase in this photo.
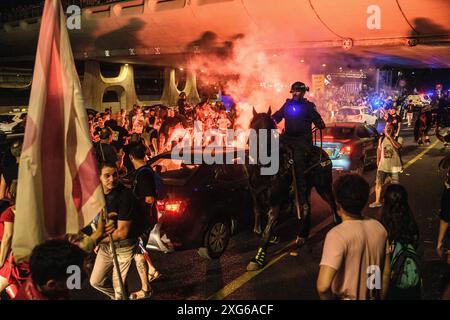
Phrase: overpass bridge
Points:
(170, 33)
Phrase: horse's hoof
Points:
(257, 231)
(300, 242)
(254, 266)
(274, 240)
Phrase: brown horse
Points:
(273, 194)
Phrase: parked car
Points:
(351, 146)
(203, 206)
(419, 101)
(357, 114)
(10, 122)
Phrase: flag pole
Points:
(116, 261)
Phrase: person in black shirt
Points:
(182, 104)
(299, 115)
(395, 120)
(144, 190)
(105, 151)
(443, 105)
(409, 112)
(118, 200)
(119, 134)
(134, 139)
(10, 171)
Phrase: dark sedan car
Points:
(203, 206)
(351, 146)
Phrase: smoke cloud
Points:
(250, 74)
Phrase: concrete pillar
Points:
(191, 88)
(171, 92)
(94, 86)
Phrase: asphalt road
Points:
(187, 276)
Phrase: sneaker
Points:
(375, 205)
(300, 242)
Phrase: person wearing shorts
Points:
(389, 162)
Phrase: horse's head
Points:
(262, 120)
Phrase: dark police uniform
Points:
(299, 115)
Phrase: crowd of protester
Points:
(156, 127)
(379, 102)
(335, 97)
(125, 141)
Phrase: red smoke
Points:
(253, 76)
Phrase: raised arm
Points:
(5, 247)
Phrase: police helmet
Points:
(299, 87)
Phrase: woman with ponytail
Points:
(403, 240)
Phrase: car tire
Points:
(216, 239)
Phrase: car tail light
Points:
(345, 150)
(171, 207)
(328, 137)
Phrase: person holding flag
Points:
(59, 190)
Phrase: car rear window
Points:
(349, 112)
(174, 169)
(339, 132)
(6, 118)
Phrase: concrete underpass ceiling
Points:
(170, 33)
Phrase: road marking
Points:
(243, 279)
(249, 275)
(419, 156)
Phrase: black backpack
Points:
(160, 189)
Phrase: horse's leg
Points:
(304, 224)
(272, 220)
(260, 259)
(325, 191)
(257, 215)
(256, 208)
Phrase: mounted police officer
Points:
(299, 115)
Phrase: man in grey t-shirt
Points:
(389, 162)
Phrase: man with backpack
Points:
(144, 190)
(389, 162)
